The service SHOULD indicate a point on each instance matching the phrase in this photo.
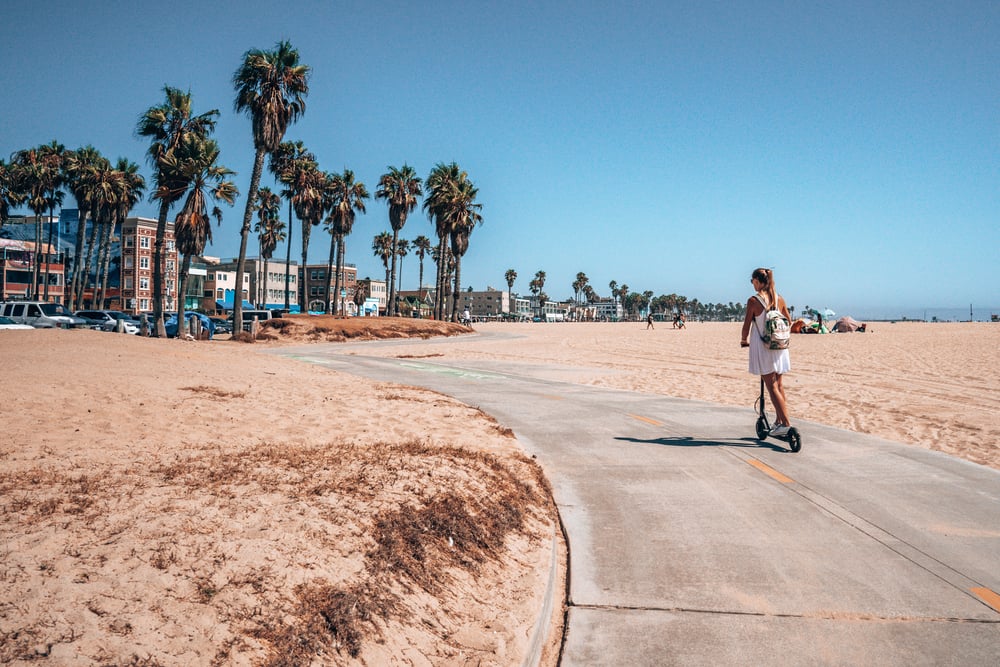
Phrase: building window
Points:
(128, 262)
(128, 241)
(170, 246)
(144, 242)
(144, 285)
(144, 262)
(144, 304)
(128, 282)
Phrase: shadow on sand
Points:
(688, 441)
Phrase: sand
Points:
(172, 502)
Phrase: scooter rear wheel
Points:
(762, 429)
(794, 439)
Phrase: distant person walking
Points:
(769, 364)
(649, 321)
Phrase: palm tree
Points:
(510, 277)
(80, 167)
(382, 248)
(38, 177)
(270, 87)
(400, 188)
(422, 246)
(450, 204)
(54, 154)
(168, 126)
(464, 212)
(199, 160)
(270, 229)
(311, 201)
(289, 164)
(129, 186)
(347, 197)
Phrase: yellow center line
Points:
(988, 596)
(647, 420)
(768, 470)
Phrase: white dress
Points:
(764, 360)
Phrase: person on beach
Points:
(769, 364)
(649, 321)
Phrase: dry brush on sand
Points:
(226, 509)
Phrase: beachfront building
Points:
(221, 286)
(377, 290)
(416, 303)
(607, 309)
(138, 237)
(320, 278)
(491, 304)
(277, 272)
(16, 272)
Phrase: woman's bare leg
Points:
(777, 391)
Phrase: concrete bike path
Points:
(692, 543)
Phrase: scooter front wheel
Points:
(762, 429)
(794, 439)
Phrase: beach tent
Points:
(846, 325)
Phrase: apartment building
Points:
(318, 278)
(489, 304)
(138, 239)
(16, 259)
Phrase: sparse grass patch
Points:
(215, 391)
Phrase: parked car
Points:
(7, 323)
(41, 314)
(250, 315)
(206, 323)
(222, 325)
(108, 320)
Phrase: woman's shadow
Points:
(688, 441)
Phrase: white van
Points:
(41, 314)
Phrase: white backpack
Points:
(777, 329)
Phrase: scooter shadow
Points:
(688, 441)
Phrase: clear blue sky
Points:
(852, 146)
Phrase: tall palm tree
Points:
(311, 202)
(80, 167)
(510, 277)
(443, 186)
(382, 248)
(270, 229)
(422, 246)
(347, 197)
(400, 188)
(127, 187)
(54, 154)
(199, 159)
(464, 213)
(167, 126)
(37, 179)
(271, 87)
(289, 164)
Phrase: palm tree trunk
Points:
(49, 253)
(329, 275)
(455, 295)
(265, 282)
(161, 235)
(81, 233)
(182, 285)
(258, 167)
(101, 250)
(85, 278)
(341, 242)
(304, 297)
(288, 256)
(390, 308)
(36, 264)
(442, 261)
(106, 264)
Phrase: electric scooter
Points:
(792, 437)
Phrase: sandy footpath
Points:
(199, 503)
(932, 385)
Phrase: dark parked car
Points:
(222, 326)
